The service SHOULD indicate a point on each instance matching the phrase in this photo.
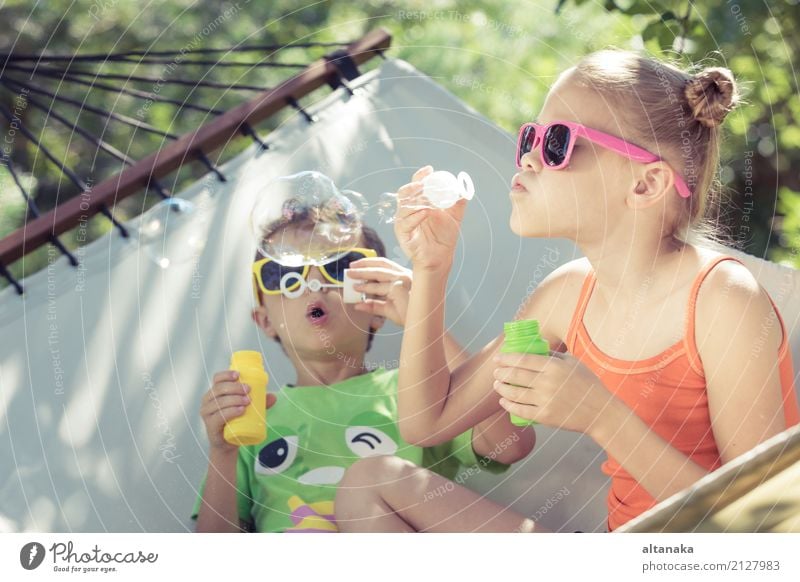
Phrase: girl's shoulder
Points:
(730, 302)
(718, 278)
(564, 282)
(571, 273)
(553, 300)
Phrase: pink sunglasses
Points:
(558, 140)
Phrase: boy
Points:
(337, 411)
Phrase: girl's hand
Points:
(389, 282)
(556, 390)
(428, 236)
(226, 400)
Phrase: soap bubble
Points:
(440, 190)
(325, 221)
(172, 232)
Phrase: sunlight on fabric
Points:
(76, 509)
(105, 476)
(42, 515)
(7, 525)
(82, 413)
(10, 381)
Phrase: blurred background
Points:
(497, 56)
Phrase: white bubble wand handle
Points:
(314, 285)
(443, 189)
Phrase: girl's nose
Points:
(530, 162)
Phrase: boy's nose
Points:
(315, 274)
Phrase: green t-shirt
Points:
(288, 482)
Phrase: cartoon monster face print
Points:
(308, 461)
(334, 448)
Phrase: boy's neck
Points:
(327, 372)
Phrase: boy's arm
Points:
(218, 509)
(500, 440)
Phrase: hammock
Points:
(102, 367)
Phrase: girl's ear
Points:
(262, 320)
(651, 185)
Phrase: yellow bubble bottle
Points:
(251, 427)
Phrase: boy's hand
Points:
(226, 400)
(428, 236)
(389, 282)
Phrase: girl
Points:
(669, 355)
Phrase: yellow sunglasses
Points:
(273, 278)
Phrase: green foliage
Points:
(499, 56)
(789, 248)
(758, 41)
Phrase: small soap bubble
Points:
(172, 232)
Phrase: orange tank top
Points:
(668, 392)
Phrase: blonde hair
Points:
(675, 114)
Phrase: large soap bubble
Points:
(325, 221)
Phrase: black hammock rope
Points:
(29, 77)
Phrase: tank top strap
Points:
(689, 325)
(580, 309)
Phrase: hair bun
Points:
(711, 95)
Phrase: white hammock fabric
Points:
(102, 368)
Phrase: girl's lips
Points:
(516, 184)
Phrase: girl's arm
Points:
(453, 352)
(738, 338)
(428, 238)
(496, 437)
(435, 405)
(388, 285)
(653, 462)
(425, 397)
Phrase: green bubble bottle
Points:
(251, 427)
(522, 337)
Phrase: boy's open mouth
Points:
(316, 313)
